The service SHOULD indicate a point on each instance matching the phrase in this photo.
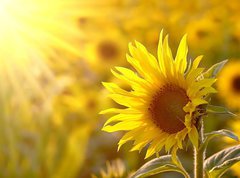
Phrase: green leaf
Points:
(214, 70)
(159, 165)
(216, 165)
(223, 132)
(219, 110)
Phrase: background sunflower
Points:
(229, 84)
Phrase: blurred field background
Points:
(54, 56)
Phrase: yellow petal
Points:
(181, 57)
(117, 110)
(160, 52)
(136, 64)
(168, 59)
(198, 101)
(174, 155)
(123, 117)
(148, 62)
(193, 136)
(114, 88)
(127, 101)
(196, 62)
(170, 142)
(126, 125)
(139, 146)
(147, 57)
(206, 91)
(163, 62)
(193, 75)
(151, 149)
(127, 137)
(199, 85)
(131, 78)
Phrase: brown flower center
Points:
(202, 34)
(236, 84)
(107, 50)
(166, 108)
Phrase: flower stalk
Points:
(199, 153)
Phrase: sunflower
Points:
(106, 50)
(202, 32)
(78, 104)
(228, 84)
(164, 104)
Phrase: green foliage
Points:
(224, 132)
(219, 110)
(215, 69)
(216, 165)
(159, 165)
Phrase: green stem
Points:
(199, 154)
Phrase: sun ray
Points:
(35, 35)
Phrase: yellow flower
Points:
(229, 84)
(163, 106)
(203, 33)
(105, 49)
(78, 104)
(235, 169)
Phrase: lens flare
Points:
(34, 35)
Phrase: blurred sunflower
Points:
(107, 50)
(78, 104)
(203, 33)
(115, 169)
(229, 84)
(165, 102)
(235, 35)
(235, 169)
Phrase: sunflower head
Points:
(166, 98)
(229, 84)
(203, 34)
(106, 50)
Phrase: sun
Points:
(166, 100)
(36, 34)
(38, 26)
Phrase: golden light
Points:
(33, 34)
